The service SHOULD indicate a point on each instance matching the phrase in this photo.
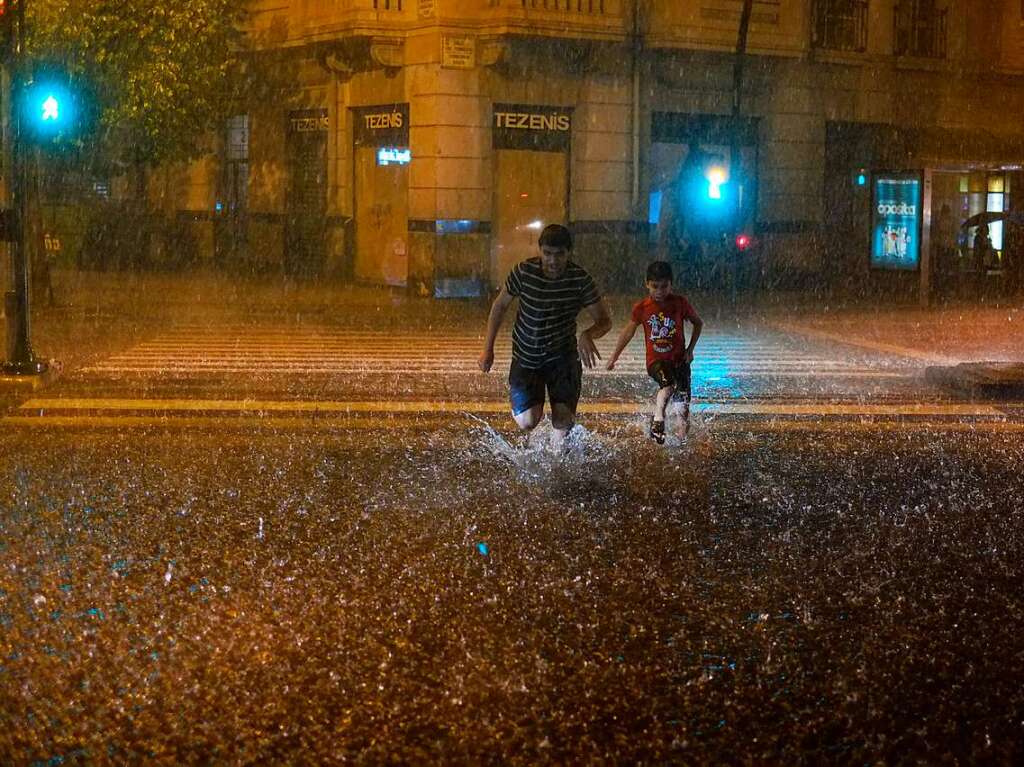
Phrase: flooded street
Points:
(450, 593)
(279, 532)
(531, 382)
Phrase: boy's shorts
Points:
(675, 374)
(562, 378)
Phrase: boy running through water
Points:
(668, 356)
(546, 356)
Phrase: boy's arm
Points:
(624, 338)
(498, 309)
(698, 325)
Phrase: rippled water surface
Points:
(465, 595)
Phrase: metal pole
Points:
(736, 177)
(636, 49)
(925, 263)
(20, 358)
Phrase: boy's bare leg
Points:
(562, 421)
(661, 402)
(685, 414)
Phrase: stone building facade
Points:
(423, 143)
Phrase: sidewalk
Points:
(977, 351)
(937, 336)
(213, 296)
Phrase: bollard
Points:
(11, 320)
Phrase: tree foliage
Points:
(161, 74)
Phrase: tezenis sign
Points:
(385, 125)
(382, 120)
(529, 126)
(308, 120)
(532, 121)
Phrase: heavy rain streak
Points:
(521, 381)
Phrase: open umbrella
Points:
(989, 216)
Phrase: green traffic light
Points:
(51, 109)
(716, 177)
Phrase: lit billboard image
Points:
(896, 221)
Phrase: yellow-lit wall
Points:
(582, 59)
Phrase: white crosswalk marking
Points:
(323, 350)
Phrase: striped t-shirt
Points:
(545, 326)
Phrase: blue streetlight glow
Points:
(716, 176)
(51, 109)
(48, 109)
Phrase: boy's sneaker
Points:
(658, 431)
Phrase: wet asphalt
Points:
(455, 595)
(437, 589)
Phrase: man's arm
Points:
(602, 324)
(698, 325)
(624, 338)
(501, 304)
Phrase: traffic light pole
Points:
(735, 144)
(21, 361)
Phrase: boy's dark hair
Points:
(659, 270)
(555, 236)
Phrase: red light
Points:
(742, 241)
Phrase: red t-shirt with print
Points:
(662, 322)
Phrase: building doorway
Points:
(381, 155)
(305, 240)
(703, 191)
(532, 145)
(231, 229)
(531, 191)
(382, 219)
(974, 232)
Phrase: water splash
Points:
(535, 459)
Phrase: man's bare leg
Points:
(528, 419)
(562, 420)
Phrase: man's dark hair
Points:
(555, 236)
(659, 270)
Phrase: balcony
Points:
(919, 29)
(840, 25)
(776, 27)
(286, 23)
(588, 19)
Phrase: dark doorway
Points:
(305, 239)
(703, 192)
(231, 227)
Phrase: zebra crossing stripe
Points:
(270, 351)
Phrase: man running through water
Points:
(552, 290)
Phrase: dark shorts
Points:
(674, 374)
(561, 378)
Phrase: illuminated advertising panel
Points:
(391, 155)
(896, 221)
